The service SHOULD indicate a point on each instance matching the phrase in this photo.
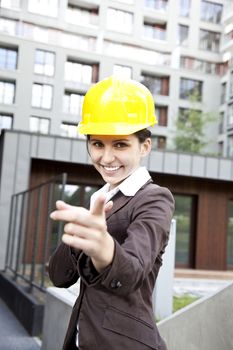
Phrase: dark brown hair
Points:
(142, 135)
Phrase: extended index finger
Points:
(99, 206)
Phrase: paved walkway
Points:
(13, 336)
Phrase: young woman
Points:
(116, 247)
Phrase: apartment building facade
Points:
(50, 54)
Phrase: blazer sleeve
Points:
(63, 266)
(147, 235)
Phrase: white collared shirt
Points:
(128, 187)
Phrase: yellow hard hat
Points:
(116, 106)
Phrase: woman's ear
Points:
(146, 147)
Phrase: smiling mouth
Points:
(110, 168)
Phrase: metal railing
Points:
(32, 235)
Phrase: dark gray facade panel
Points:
(225, 166)
(170, 163)
(212, 166)
(79, 152)
(45, 147)
(184, 165)
(22, 165)
(156, 161)
(198, 166)
(62, 149)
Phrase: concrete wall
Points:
(204, 325)
(58, 307)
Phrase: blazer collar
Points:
(120, 200)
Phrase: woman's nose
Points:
(108, 155)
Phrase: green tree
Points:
(190, 125)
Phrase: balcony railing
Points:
(32, 235)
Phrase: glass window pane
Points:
(36, 95)
(230, 236)
(183, 229)
(5, 121)
(34, 124)
(9, 93)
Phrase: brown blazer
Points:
(114, 308)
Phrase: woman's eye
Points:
(97, 144)
(120, 145)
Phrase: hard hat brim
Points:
(110, 128)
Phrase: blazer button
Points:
(115, 284)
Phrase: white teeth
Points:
(112, 168)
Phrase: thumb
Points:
(99, 205)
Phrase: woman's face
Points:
(116, 157)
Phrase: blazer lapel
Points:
(119, 200)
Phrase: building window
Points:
(78, 195)
(155, 30)
(39, 125)
(72, 103)
(156, 4)
(230, 146)
(183, 32)
(82, 16)
(44, 63)
(223, 93)
(184, 8)
(186, 113)
(156, 85)
(209, 40)
(122, 71)
(7, 92)
(184, 214)
(43, 7)
(189, 87)
(231, 85)
(69, 130)
(161, 114)
(8, 58)
(220, 149)
(120, 21)
(9, 26)
(221, 123)
(230, 114)
(10, 4)
(230, 236)
(6, 121)
(81, 72)
(199, 65)
(211, 12)
(42, 96)
(158, 142)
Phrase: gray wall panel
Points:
(7, 187)
(46, 146)
(225, 166)
(170, 163)
(79, 152)
(156, 161)
(198, 166)
(23, 163)
(184, 164)
(212, 167)
(62, 149)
